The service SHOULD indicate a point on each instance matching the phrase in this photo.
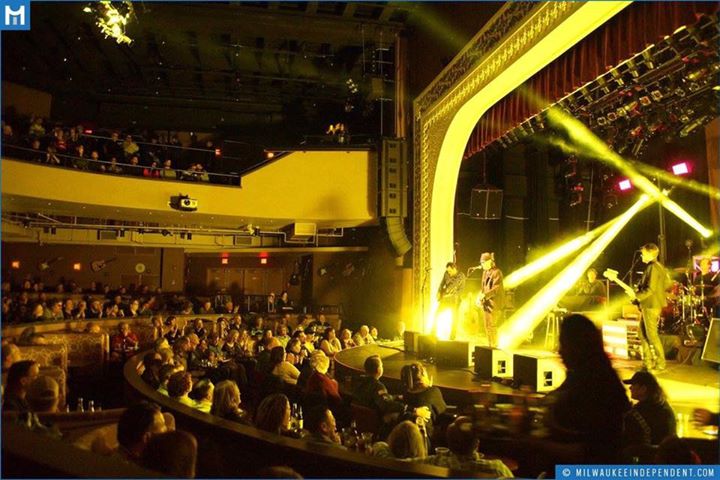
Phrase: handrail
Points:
(105, 167)
(313, 460)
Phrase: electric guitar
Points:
(481, 301)
(611, 275)
(99, 265)
(42, 266)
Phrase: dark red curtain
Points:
(626, 34)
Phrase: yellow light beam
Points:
(527, 317)
(648, 170)
(522, 274)
(588, 142)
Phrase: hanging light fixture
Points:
(112, 19)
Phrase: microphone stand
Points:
(632, 268)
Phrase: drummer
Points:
(705, 282)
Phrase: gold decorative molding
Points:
(509, 35)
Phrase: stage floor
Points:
(687, 386)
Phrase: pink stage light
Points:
(714, 266)
(681, 168)
(624, 185)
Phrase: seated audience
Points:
(651, 419)
(179, 386)
(273, 414)
(370, 392)
(295, 353)
(463, 442)
(281, 368)
(405, 442)
(226, 403)
(172, 332)
(281, 333)
(172, 453)
(137, 425)
(346, 339)
(20, 375)
(202, 395)
(320, 422)
(152, 363)
(362, 337)
(330, 343)
(124, 344)
(418, 391)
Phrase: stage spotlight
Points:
(527, 317)
(624, 185)
(681, 168)
(584, 140)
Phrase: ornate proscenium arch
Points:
(521, 39)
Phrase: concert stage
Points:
(686, 386)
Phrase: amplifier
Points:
(452, 354)
(411, 341)
(711, 350)
(492, 362)
(426, 346)
(541, 373)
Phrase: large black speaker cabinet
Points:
(452, 354)
(541, 373)
(486, 203)
(411, 340)
(492, 362)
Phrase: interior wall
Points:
(25, 101)
(120, 271)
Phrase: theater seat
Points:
(366, 419)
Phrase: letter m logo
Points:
(16, 15)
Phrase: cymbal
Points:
(680, 270)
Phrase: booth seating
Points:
(53, 361)
(84, 349)
(221, 444)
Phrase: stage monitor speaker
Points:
(486, 203)
(541, 373)
(711, 350)
(452, 354)
(426, 346)
(411, 341)
(492, 362)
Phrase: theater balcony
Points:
(327, 189)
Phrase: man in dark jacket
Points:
(651, 419)
(370, 392)
(650, 294)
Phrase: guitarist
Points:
(650, 295)
(450, 292)
(491, 297)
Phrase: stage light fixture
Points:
(681, 168)
(527, 317)
(624, 185)
(587, 142)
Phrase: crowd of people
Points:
(151, 155)
(32, 301)
(280, 379)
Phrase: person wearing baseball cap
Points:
(491, 299)
(651, 419)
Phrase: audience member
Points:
(202, 395)
(651, 419)
(320, 422)
(226, 403)
(330, 343)
(405, 442)
(20, 375)
(418, 391)
(172, 453)
(179, 386)
(281, 368)
(137, 425)
(273, 414)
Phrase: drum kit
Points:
(690, 308)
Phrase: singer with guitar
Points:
(450, 293)
(491, 298)
(650, 297)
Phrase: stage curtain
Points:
(626, 34)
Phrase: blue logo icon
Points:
(15, 15)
